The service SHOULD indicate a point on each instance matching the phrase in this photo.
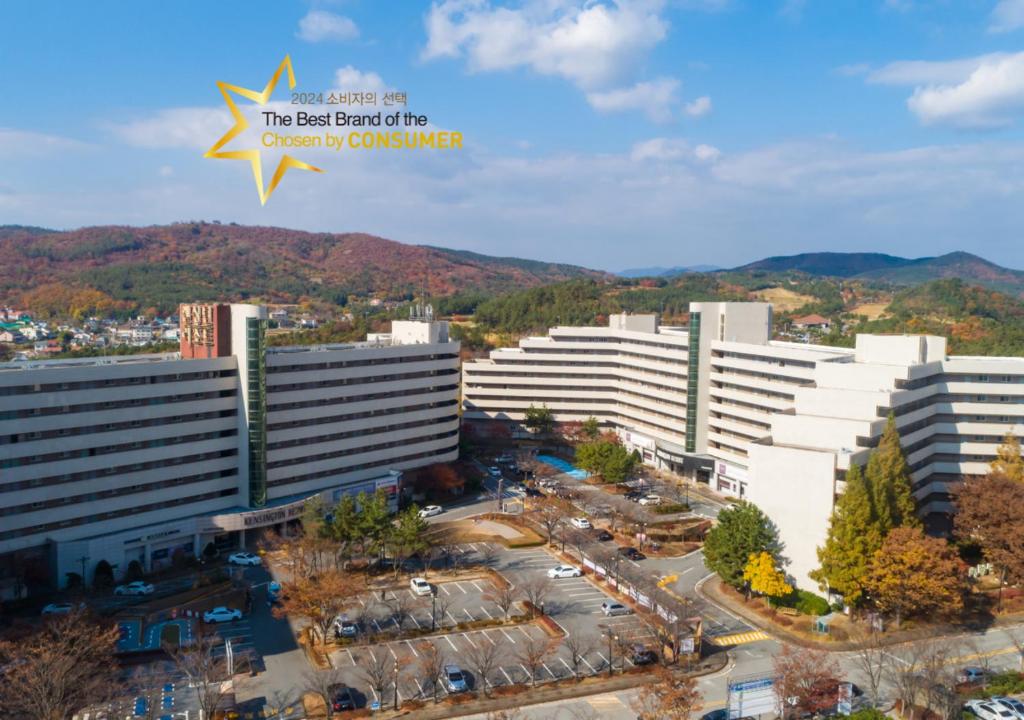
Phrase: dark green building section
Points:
(255, 352)
(692, 375)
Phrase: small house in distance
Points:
(812, 322)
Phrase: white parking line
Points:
(525, 634)
(469, 639)
(507, 636)
(351, 656)
(602, 657)
(562, 660)
(393, 654)
(588, 664)
(444, 589)
(413, 618)
(450, 643)
(507, 677)
(473, 545)
(528, 675)
(475, 584)
(548, 669)
(413, 648)
(484, 633)
(377, 625)
(489, 616)
(471, 618)
(459, 586)
(454, 621)
(371, 654)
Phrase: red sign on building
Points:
(205, 330)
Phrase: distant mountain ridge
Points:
(896, 270)
(94, 269)
(658, 271)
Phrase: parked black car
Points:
(639, 655)
(602, 534)
(533, 492)
(633, 495)
(341, 698)
(632, 553)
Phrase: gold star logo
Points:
(241, 124)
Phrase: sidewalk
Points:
(712, 592)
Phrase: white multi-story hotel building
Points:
(777, 423)
(137, 458)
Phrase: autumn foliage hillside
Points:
(98, 269)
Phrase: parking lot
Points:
(573, 603)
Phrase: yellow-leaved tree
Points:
(764, 577)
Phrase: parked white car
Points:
(431, 511)
(221, 614)
(1011, 704)
(244, 558)
(564, 571)
(420, 586)
(987, 710)
(650, 500)
(58, 609)
(581, 522)
(139, 587)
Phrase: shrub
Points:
(134, 571)
(669, 508)
(811, 604)
(867, 714)
(103, 575)
(1006, 683)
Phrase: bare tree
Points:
(58, 670)
(532, 653)
(442, 605)
(536, 590)
(484, 660)
(379, 672)
(872, 662)
(906, 677)
(402, 605)
(550, 513)
(504, 596)
(323, 683)
(806, 681)
(431, 666)
(669, 696)
(1016, 638)
(579, 646)
(206, 672)
(578, 540)
(488, 554)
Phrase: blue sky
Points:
(642, 132)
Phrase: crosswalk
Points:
(739, 638)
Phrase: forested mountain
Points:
(97, 270)
(895, 270)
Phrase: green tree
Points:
(539, 419)
(346, 526)
(888, 478)
(374, 521)
(407, 536)
(610, 460)
(853, 538)
(741, 531)
(1008, 462)
(592, 428)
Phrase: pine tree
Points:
(740, 531)
(888, 478)
(1008, 462)
(853, 538)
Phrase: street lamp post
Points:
(396, 684)
(433, 610)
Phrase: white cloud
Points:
(190, 127)
(320, 25)
(166, 171)
(707, 153)
(348, 79)
(656, 98)
(27, 143)
(672, 150)
(982, 92)
(699, 107)
(595, 45)
(1007, 15)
